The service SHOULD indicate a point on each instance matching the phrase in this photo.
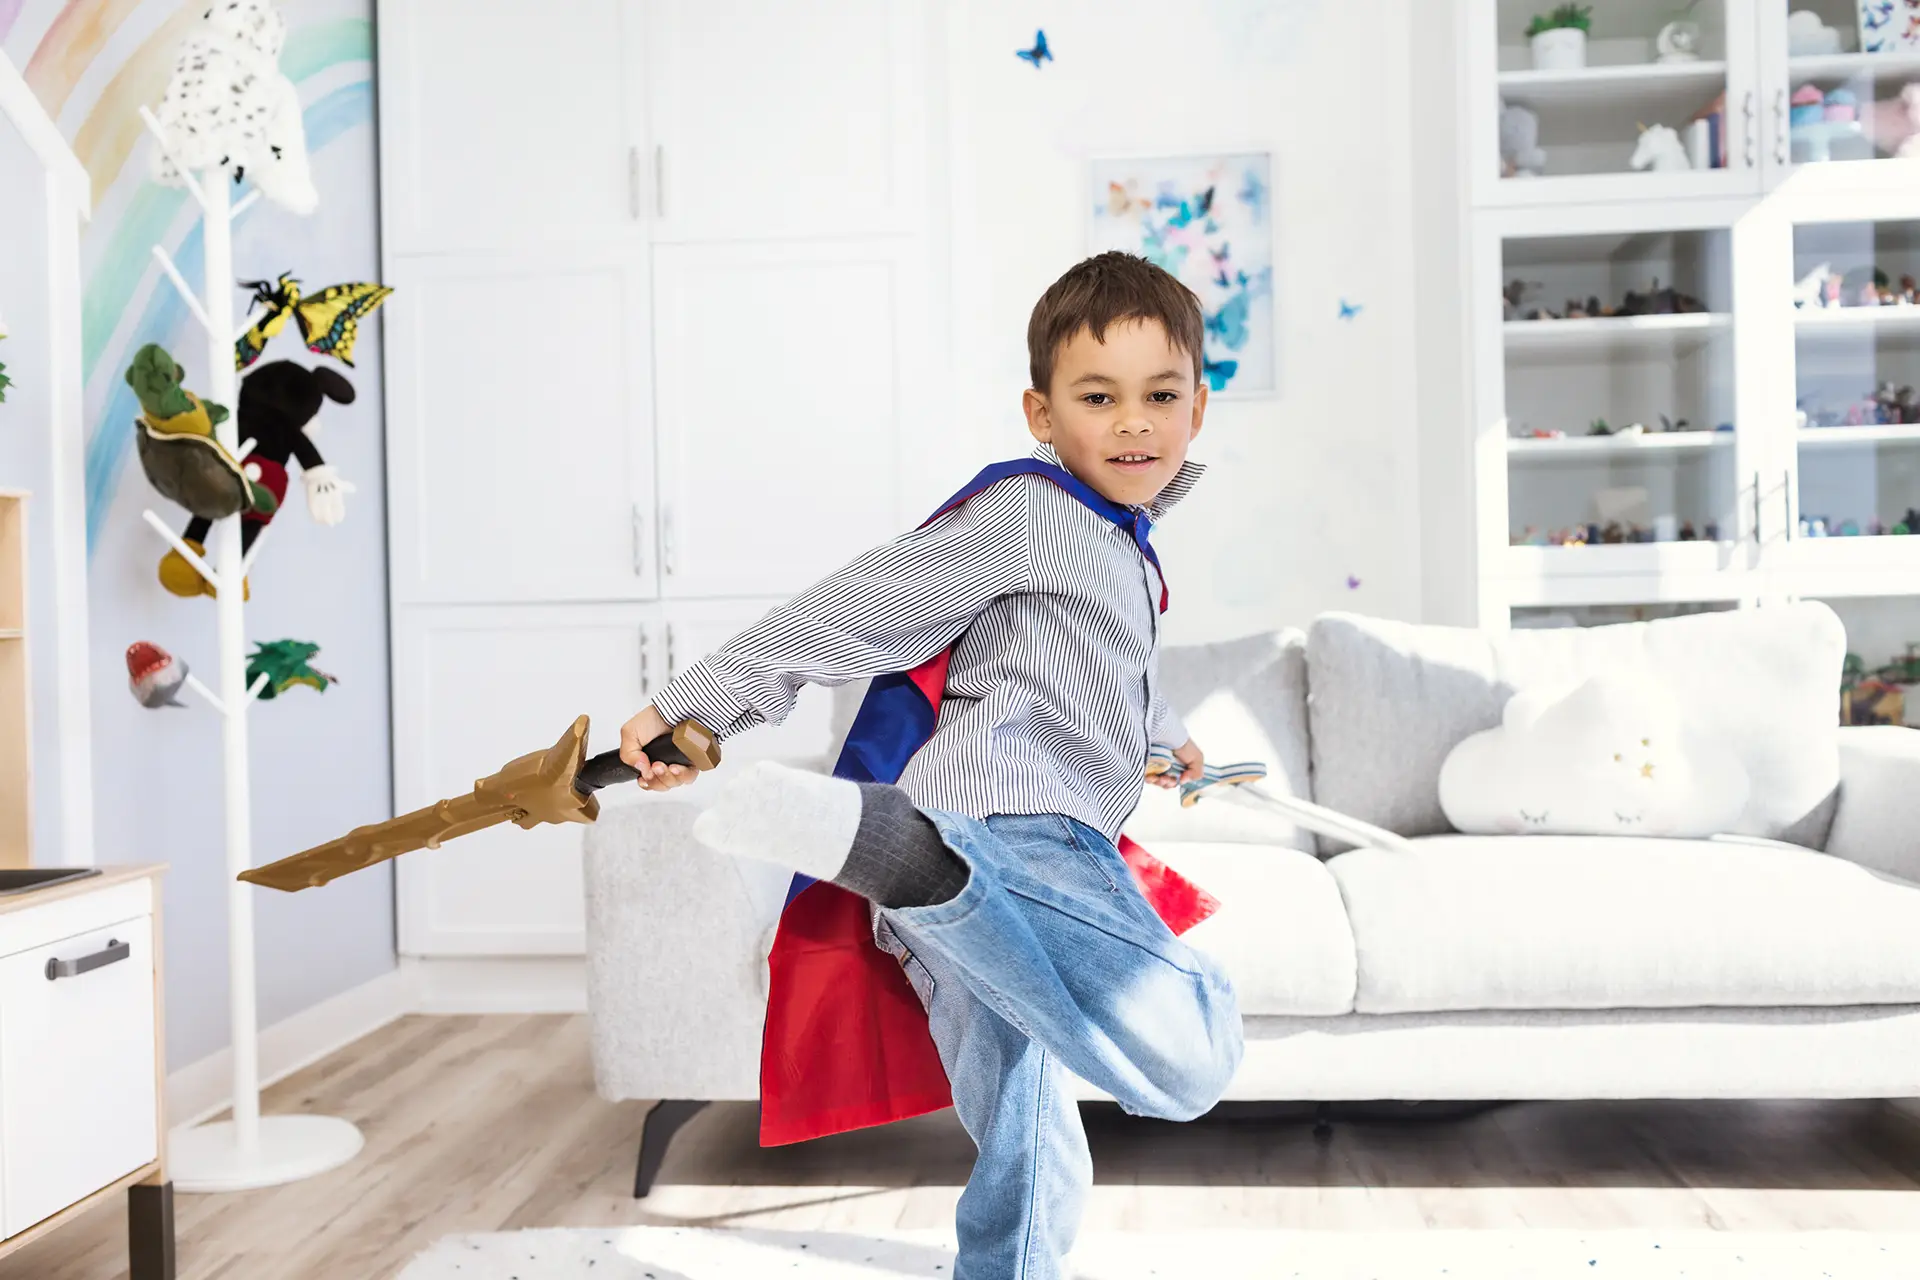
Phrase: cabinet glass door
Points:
(1834, 77)
(1880, 683)
(1619, 395)
(1644, 99)
(1852, 501)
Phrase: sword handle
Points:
(688, 743)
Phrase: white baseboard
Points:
(204, 1088)
(496, 984)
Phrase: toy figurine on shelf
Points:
(1876, 528)
(1599, 427)
(1848, 529)
(1687, 532)
(1658, 301)
(1811, 289)
(1674, 424)
(1515, 305)
(1521, 155)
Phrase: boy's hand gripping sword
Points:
(555, 785)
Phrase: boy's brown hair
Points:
(1102, 290)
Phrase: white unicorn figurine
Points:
(1659, 149)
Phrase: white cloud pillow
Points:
(1606, 757)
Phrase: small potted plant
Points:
(1559, 37)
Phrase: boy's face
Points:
(1120, 413)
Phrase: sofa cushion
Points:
(1281, 931)
(1390, 700)
(1242, 699)
(1610, 922)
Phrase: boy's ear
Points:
(1199, 408)
(1039, 415)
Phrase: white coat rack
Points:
(249, 1150)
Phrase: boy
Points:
(992, 865)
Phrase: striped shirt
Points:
(1052, 697)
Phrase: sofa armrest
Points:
(677, 938)
(1877, 822)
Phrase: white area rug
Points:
(663, 1253)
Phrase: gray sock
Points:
(898, 858)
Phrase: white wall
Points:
(1319, 481)
(1448, 572)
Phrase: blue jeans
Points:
(1051, 962)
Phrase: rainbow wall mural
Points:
(93, 64)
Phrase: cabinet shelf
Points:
(1831, 437)
(1545, 341)
(1586, 84)
(1658, 442)
(1815, 323)
(1845, 66)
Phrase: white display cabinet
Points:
(1800, 466)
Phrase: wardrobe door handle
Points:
(1780, 127)
(671, 673)
(633, 183)
(639, 541)
(646, 662)
(1752, 148)
(1786, 504)
(1756, 508)
(659, 181)
(113, 953)
(666, 541)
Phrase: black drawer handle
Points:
(113, 953)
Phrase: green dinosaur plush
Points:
(284, 663)
(179, 452)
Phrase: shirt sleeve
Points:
(889, 610)
(1164, 727)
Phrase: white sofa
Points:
(1780, 963)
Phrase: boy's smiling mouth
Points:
(1134, 461)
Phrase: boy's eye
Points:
(1165, 397)
(1096, 397)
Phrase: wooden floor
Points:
(491, 1123)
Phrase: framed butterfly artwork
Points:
(1207, 219)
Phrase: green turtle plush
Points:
(178, 450)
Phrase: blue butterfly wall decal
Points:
(1348, 310)
(1039, 53)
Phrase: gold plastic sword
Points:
(555, 785)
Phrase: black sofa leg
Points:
(150, 1231)
(663, 1122)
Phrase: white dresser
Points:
(82, 1071)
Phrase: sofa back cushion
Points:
(1243, 699)
(1389, 700)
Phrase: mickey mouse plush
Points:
(277, 401)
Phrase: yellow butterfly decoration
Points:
(329, 321)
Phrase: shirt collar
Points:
(1176, 488)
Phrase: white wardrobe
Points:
(661, 353)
